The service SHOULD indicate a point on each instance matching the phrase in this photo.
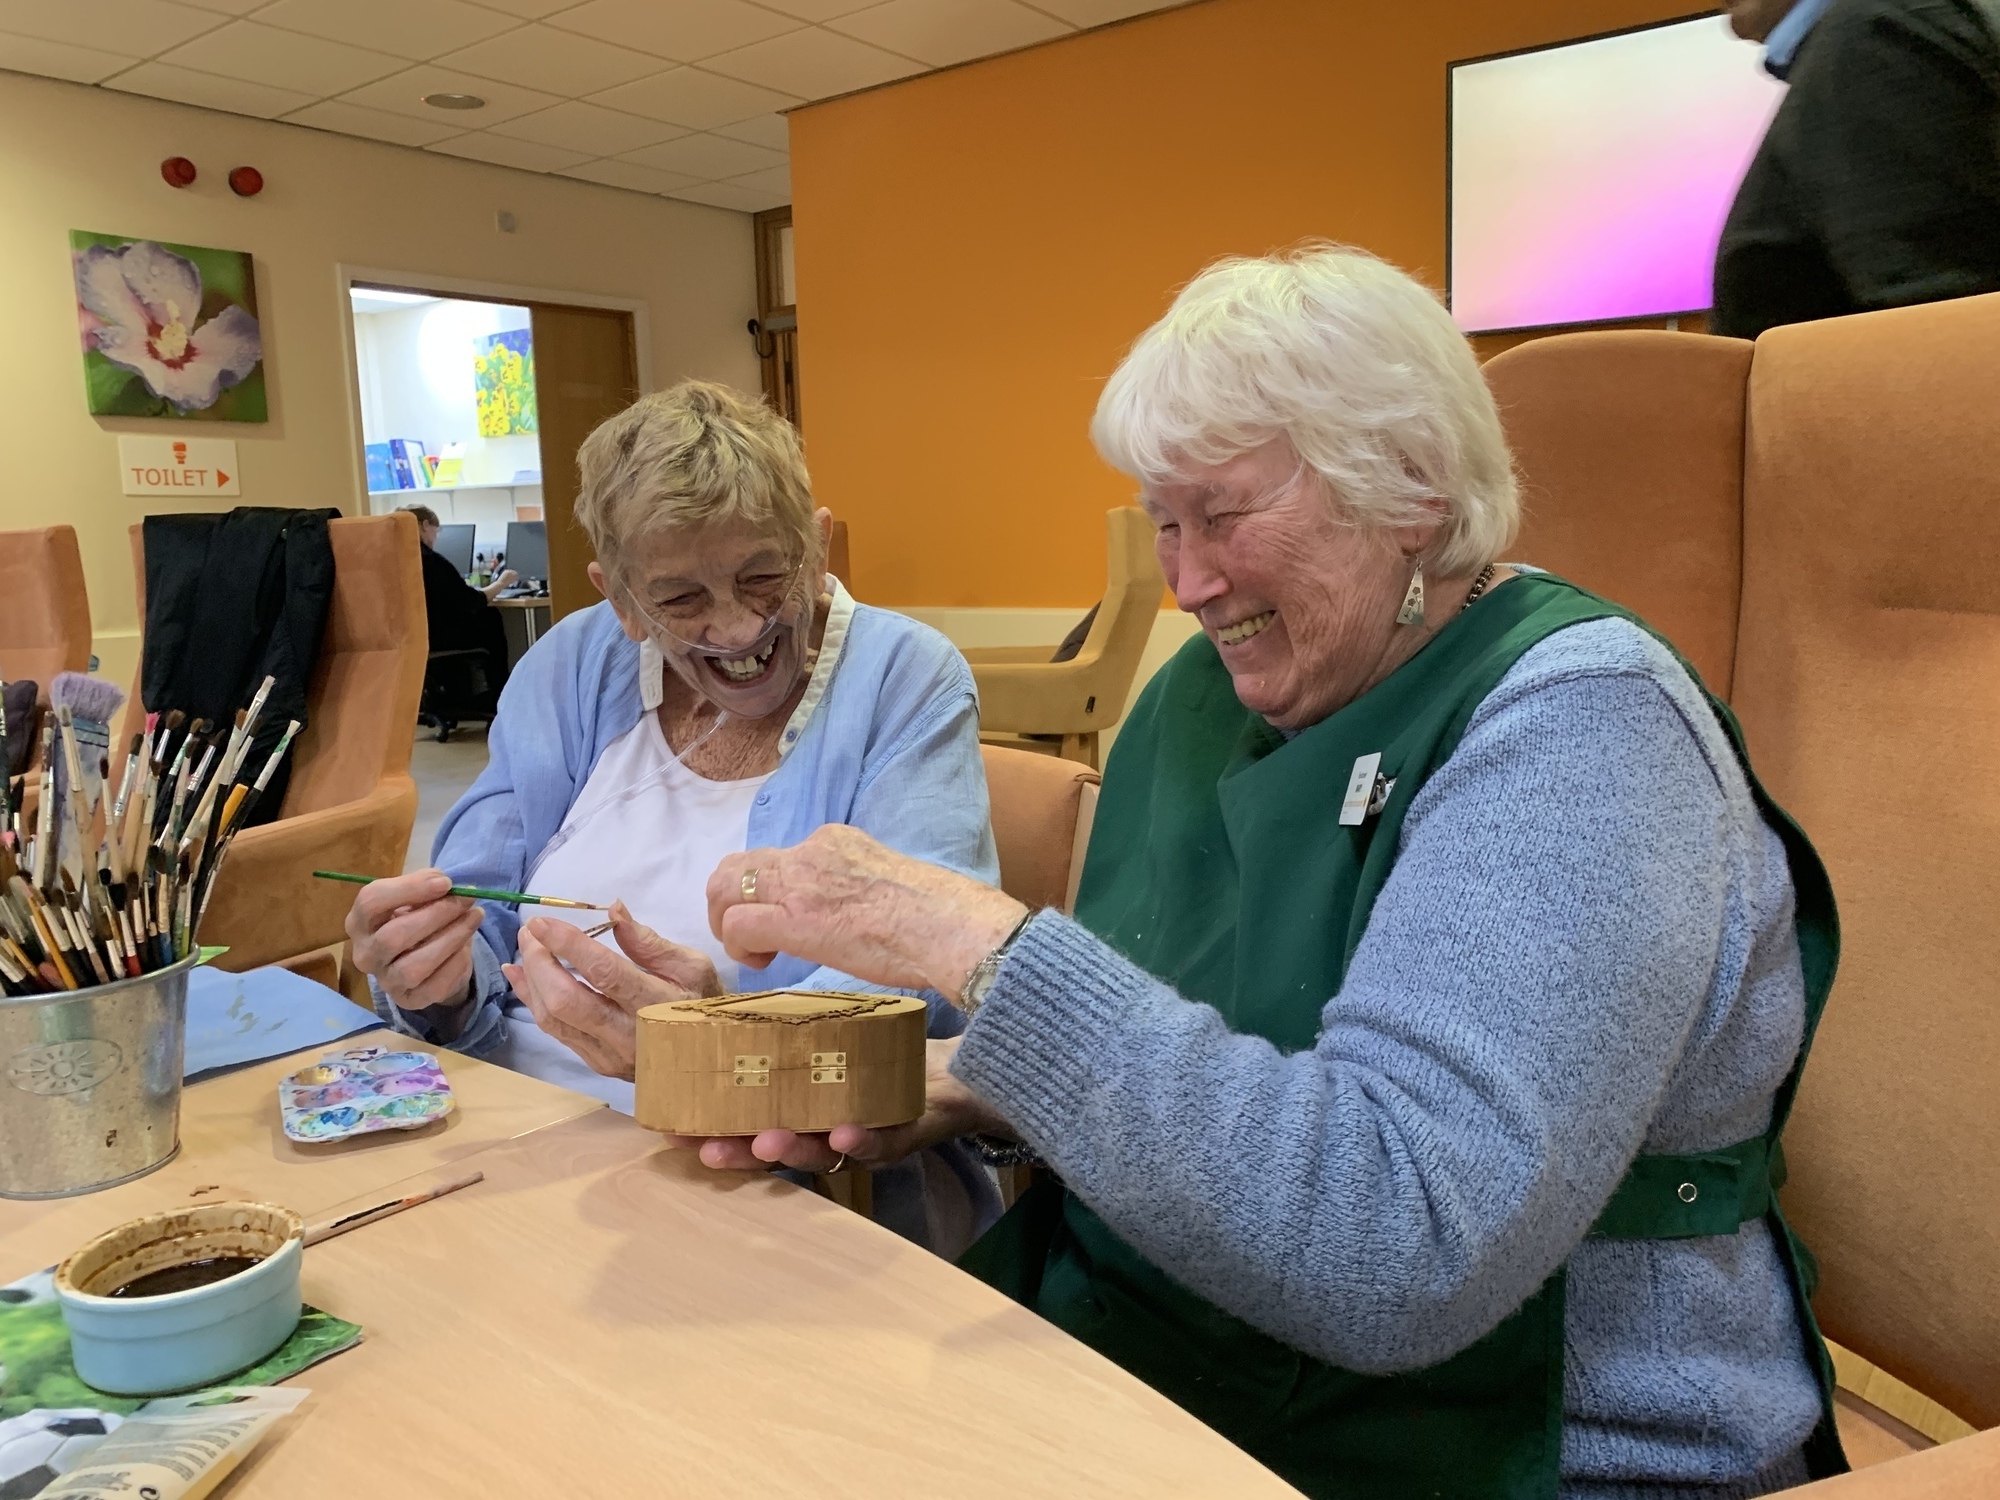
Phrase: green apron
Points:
(1218, 864)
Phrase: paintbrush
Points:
(317, 1233)
(477, 893)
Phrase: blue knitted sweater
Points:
(1585, 951)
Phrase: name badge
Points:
(1360, 790)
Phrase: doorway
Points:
(475, 406)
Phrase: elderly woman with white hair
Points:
(727, 692)
(1412, 1071)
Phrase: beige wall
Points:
(73, 157)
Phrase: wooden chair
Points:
(1027, 702)
(352, 802)
(45, 626)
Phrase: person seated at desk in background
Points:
(1378, 1122)
(461, 617)
(728, 692)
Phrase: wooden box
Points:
(780, 1059)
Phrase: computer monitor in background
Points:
(454, 545)
(528, 549)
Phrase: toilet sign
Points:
(177, 466)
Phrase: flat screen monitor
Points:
(454, 545)
(528, 549)
(1589, 180)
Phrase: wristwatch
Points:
(973, 994)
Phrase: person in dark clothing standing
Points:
(461, 617)
(1878, 184)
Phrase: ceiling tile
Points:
(409, 28)
(539, 57)
(695, 98)
(140, 27)
(1098, 12)
(589, 128)
(684, 30)
(30, 54)
(942, 32)
(263, 54)
(813, 64)
(236, 96)
(403, 93)
(706, 156)
(230, 7)
(760, 130)
(817, 10)
(498, 149)
(376, 124)
(729, 195)
(770, 180)
(629, 174)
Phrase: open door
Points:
(586, 369)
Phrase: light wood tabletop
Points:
(233, 1147)
(1960, 1470)
(604, 1316)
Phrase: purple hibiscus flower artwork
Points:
(168, 330)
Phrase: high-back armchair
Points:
(1023, 694)
(45, 625)
(1815, 521)
(351, 802)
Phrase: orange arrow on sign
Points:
(220, 479)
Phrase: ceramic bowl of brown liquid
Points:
(178, 1300)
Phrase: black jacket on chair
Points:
(230, 600)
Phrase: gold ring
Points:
(749, 885)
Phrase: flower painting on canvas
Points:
(503, 372)
(168, 330)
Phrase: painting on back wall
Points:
(167, 330)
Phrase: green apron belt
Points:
(1685, 1197)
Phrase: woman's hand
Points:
(842, 900)
(950, 1109)
(595, 1015)
(414, 940)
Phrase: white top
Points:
(648, 831)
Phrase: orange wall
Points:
(977, 247)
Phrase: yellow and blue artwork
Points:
(503, 372)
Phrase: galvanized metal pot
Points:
(90, 1084)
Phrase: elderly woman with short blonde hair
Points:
(726, 693)
(1412, 1070)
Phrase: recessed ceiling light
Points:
(454, 101)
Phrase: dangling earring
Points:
(1412, 612)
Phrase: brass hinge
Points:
(753, 1070)
(829, 1067)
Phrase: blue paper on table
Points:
(234, 1020)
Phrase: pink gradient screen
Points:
(1590, 181)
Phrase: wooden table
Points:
(232, 1147)
(605, 1316)
(531, 607)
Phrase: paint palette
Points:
(361, 1091)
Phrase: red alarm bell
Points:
(246, 182)
(178, 171)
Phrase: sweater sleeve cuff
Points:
(1037, 1047)
(484, 1028)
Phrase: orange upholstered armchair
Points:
(351, 802)
(1815, 521)
(45, 628)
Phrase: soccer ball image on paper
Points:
(39, 1446)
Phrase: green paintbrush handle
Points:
(477, 893)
